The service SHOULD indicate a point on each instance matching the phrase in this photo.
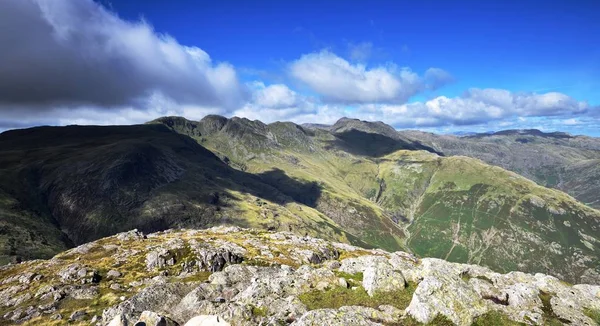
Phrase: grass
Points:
(259, 311)
(593, 314)
(549, 316)
(337, 297)
(494, 318)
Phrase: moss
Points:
(259, 311)
(200, 276)
(466, 277)
(494, 318)
(549, 316)
(338, 296)
(258, 262)
(351, 279)
(594, 314)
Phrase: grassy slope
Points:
(554, 160)
(476, 213)
(69, 185)
(456, 208)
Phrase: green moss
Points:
(494, 318)
(259, 311)
(593, 314)
(338, 296)
(549, 316)
(201, 276)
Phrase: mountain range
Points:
(513, 200)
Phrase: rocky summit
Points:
(234, 276)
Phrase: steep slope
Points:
(555, 160)
(456, 208)
(250, 277)
(460, 209)
(62, 186)
(311, 156)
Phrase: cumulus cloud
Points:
(339, 81)
(476, 106)
(75, 53)
(277, 102)
(274, 96)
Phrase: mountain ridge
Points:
(352, 184)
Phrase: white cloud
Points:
(476, 106)
(339, 81)
(572, 122)
(274, 96)
(75, 53)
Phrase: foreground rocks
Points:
(233, 276)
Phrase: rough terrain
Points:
(250, 277)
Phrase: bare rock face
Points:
(380, 277)
(233, 276)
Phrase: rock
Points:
(447, 296)
(214, 259)
(157, 259)
(115, 286)
(207, 320)
(130, 235)
(332, 317)
(84, 293)
(359, 264)
(77, 315)
(113, 274)
(381, 277)
(160, 298)
(150, 318)
(118, 320)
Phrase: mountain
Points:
(358, 182)
(234, 276)
(64, 186)
(452, 207)
(556, 159)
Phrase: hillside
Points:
(557, 160)
(356, 182)
(250, 277)
(455, 208)
(64, 186)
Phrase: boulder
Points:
(207, 320)
(380, 277)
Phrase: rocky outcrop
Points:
(233, 276)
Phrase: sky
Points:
(440, 66)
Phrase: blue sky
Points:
(442, 66)
(514, 45)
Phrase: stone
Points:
(380, 277)
(157, 259)
(447, 296)
(332, 317)
(150, 318)
(77, 315)
(118, 320)
(113, 274)
(207, 320)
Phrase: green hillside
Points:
(456, 208)
(358, 182)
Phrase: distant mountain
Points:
(558, 160)
(455, 208)
(356, 181)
